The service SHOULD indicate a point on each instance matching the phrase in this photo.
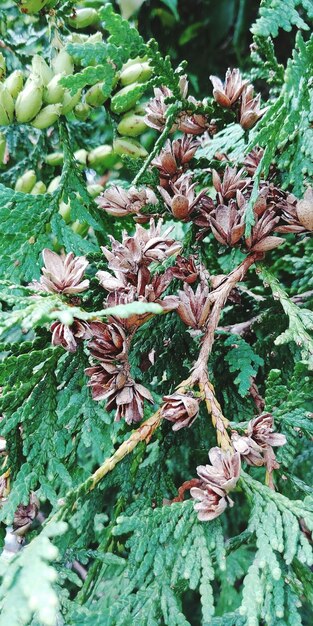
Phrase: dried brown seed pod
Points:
(180, 207)
(305, 209)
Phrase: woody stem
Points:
(143, 433)
(220, 294)
(200, 370)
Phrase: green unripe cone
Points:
(126, 98)
(32, 6)
(53, 186)
(63, 63)
(95, 38)
(41, 69)
(134, 62)
(65, 211)
(14, 83)
(69, 101)
(139, 72)
(26, 182)
(3, 68)
(140, 108)
(38, 188)
(28, 102)
(129, 147)
(95, 96)
(132, 125)
(78, 38)
(81, 156)
(80, 228)
(101, 157)
(54, 159)
(94, 190)
(83, 18)
(47, 116)
(82, 111)
(6, 106)
(3, 145)
(54, 92)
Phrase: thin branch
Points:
(200, 369)
(240, 328)
(143, 433)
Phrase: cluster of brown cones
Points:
(274, 210)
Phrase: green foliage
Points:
(27, 585)
(276, 14)
(291, 112)
(300, 320)
(31, 311)
(275, 521)
(168, 545)
(241, 357)
(290, 405)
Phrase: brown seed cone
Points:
(180, 207)
(181, 409)
(185, 269)
(227, 94)
(229, 184)
(128, 401)
(305, 210)
(25, 515)
(108, 343)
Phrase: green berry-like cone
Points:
(6, 106)
(32, 6)
(2, 66)
(126, 98)
(132, 125)
(54, 184)
(81, 156)
(26, 182)
(95, 96)
(54, 159)
(80, 228)
(54, 92)
(2, 148)
(29, 102)
(69, 101)
(102, 157)
(47, 116)
(129, 147)
(82, 18)
(134, 61)
(65, 211)
(63, 63)
(94, 190)
(41, 69)
(82, 111)
(38, 188)
(139, 72)
(14, 83)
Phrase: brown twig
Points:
(256, 397)
(242, 328)
(219, 297)
(200, 370)
(194, 482)
(219, 421)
